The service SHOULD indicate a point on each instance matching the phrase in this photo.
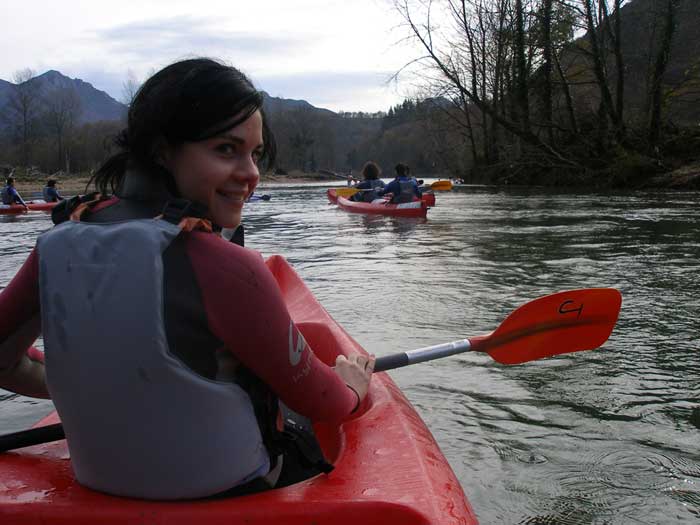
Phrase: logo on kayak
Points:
(564, 310)
(296, 345)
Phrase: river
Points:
(607, 436)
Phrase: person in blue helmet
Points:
(402, 188)
(9, 193)
(371, 184)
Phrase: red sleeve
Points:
(19, 301)
(245, 309)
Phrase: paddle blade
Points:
(345, 192)
(442, 185)
(555, 324)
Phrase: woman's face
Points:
(220, 172)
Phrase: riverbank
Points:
(31, 185)
(684, 178)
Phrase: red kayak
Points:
(388, 468)
(417, 208)
(14, 209)
(428, 198)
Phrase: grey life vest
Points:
(139, 423)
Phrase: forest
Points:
(594, 93)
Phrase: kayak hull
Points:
(332, 193)
(16, 209)
(417, 208)
(388, 467)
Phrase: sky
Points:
(336, 54)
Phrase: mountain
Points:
(95, 105)
(641, 28)
(274, 105)
(303, 131)
(5, 89)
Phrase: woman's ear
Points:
(162, 153)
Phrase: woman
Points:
(165, 345)
(371, 184)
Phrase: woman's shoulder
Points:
(213, 245)
(220, 264)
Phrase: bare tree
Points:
(22, 111)
(600, 37)
(662, 57)
(456, 58)
(63, 109)
(130, 87)
(547, 50)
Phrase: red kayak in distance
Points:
(428, 198)
(14, 209)
(417, 208)
(388, 468)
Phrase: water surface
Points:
(604, 436)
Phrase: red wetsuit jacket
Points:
(218, 297)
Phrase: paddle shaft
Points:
(419, 355)
(33, 436)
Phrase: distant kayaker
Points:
(402, 188)
(371, 183)
(50, 192)
(10, 195)
(167, 347)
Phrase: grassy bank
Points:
(29, 184)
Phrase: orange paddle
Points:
(554, 324)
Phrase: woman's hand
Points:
(356, 371)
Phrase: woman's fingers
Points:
(356, 371)
(369, 365)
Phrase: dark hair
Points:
(51, 182)
(9, 180)
(188, 101)
(371, 170)
(401, 169)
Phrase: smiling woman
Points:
(220, 172)
(149, 316)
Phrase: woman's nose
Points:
(248, 169)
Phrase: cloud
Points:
(180, 36)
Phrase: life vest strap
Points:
(75, 206)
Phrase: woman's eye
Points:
(225, 148)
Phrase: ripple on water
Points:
(606, 436)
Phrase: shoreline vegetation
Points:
(76, 183)
(685, 178)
